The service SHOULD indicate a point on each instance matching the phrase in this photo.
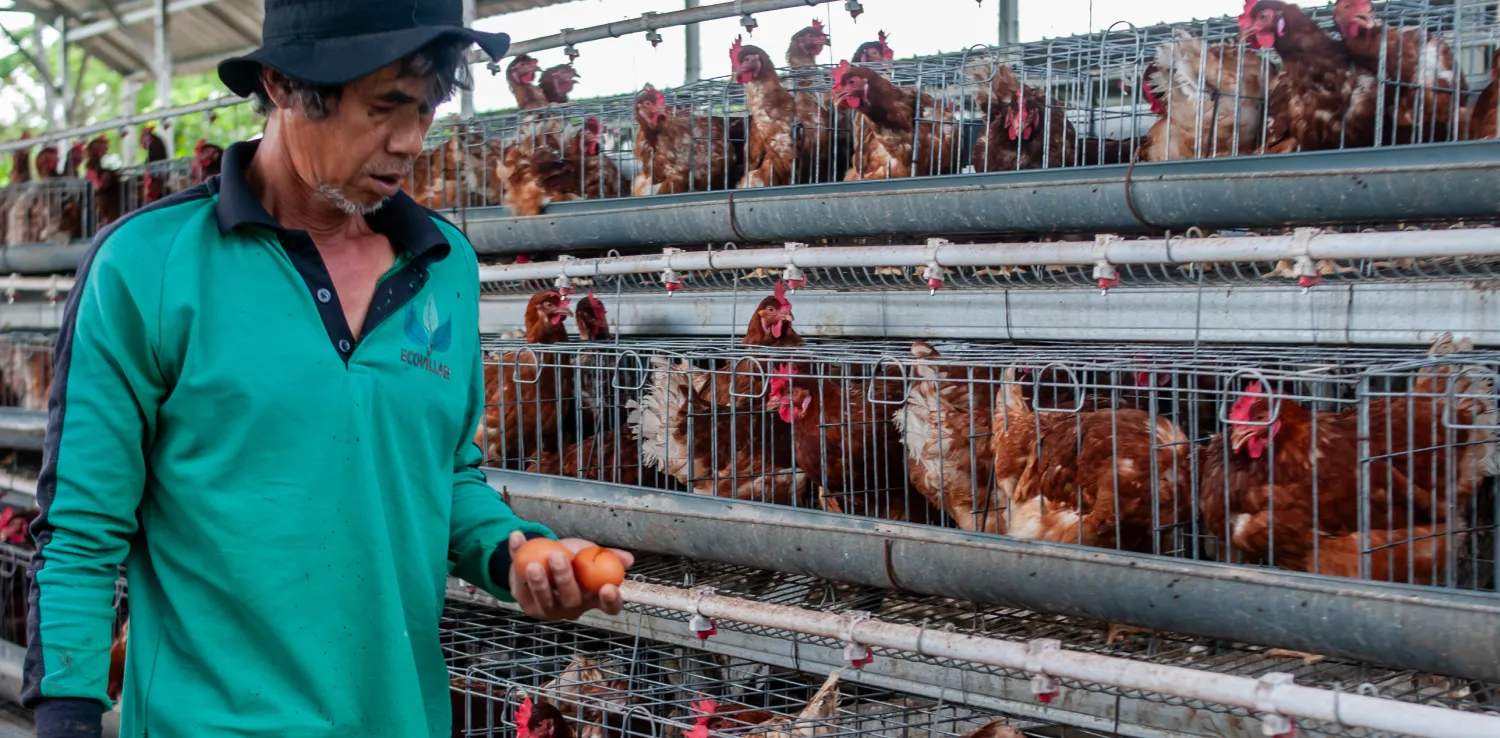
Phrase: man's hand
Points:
(552, 593)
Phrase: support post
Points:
(693, 56)
(64, 86)
(1010, 22)
(163, 51)
(466, 97)
(44, 70)
(130, 91)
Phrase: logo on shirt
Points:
(429, 333)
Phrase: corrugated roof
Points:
(202, 32)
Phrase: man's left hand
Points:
(552, 592)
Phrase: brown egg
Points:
(538, 550)
(595, 567)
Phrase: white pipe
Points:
(1274, 694)
(18, 283)
(654, 22)
(1117, 251)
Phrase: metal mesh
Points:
(610, 684)
(1168, 449)
(26, 369)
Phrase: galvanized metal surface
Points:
(1389, 184)
(1395, 625)
(22, 429)
(1345, 313)
(978, 688)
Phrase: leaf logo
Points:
(427, 331)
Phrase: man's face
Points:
(360, 154)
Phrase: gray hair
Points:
(441, 61)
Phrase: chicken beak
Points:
(1239, 435)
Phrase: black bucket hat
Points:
(333, 42)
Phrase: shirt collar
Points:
(408, 225)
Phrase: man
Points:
(266, 395)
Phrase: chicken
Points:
(597, 702)
(26, 374)
(945, 427)
(1016, 427)
(528, 393)
(1111, 478)
(153, 184)
(807, 44)
(574, 170)
(1210, 97)
(519, 76)
(58, 216)
(997, 729)
(788, 143)
(712, 716)
(814, 719)
(1423, 85)
(885, 127)
(770, 325)
(845, 442)
(1283, 473)
(557, 83)
(1486, 110)
(208, 159)
(874, 52)
(105, 183)
(1322, 99)
(543, 720)
(1023, 121)
(711, 449)
(479, 708)
(995, 91)
(683, 153)
(21, 199)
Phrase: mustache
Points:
(390, 169)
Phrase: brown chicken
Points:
(770, 325)
(1211, 101)
(874, 52)
(116, 682)
(945, 426)
(597, 702)
(846, 444)
(558, 82)
(1091, 463)
(57, 215)
(1313, 509)
(105, 183)
(807, 44)
(528, 393)
(1030, 116)
(1322, 99)
(544, 720)
(683, 153)
(886, 124)
(20, 199)
(1486, 110)
(478, 707)
(995, 91)
(1423, 85)
(575, 169)
(519, 75)
(712, 449)
(788, 143)
(208, 159)
(153, 183)
(712, 717)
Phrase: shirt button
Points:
(344, 345)
(324, 295)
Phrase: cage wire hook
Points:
(1273, 723)
(702, 626)
(935, 273)
(1043, 686)
(857, 654)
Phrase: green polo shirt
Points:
(287, 501)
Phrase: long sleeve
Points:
(481, 521)
(101, 419)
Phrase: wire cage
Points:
(1360, 462)
(605, 684)
(26, 370)
(1419, 68)
(55, 210)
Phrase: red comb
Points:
(523, 719)
(734, 51)
(1241, 408)
(817, 25)
(704, 709)
(839, 72)
(786, 369)
(1244, 19)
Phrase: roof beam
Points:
(136, 15)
